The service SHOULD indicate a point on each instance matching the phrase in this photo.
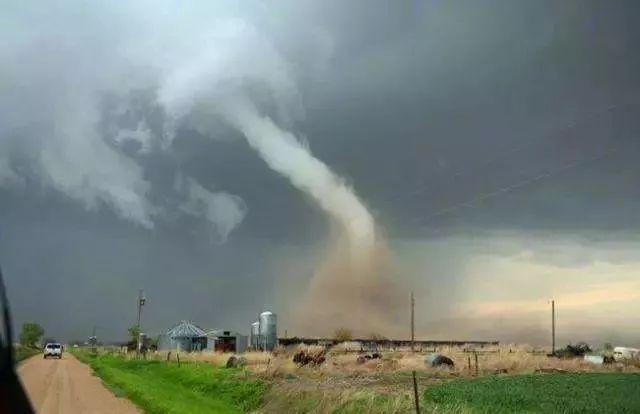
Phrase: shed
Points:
(220, 340)
(185, 336)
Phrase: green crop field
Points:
(547, 393)
(159, 387)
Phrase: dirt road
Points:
(68, 386)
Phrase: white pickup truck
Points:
(53, 350)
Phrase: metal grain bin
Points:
(254, 336)
(268, 330)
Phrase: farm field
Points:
(271, 383)
(545, 393)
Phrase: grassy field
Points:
(546, 393)
(289, 399)
(159, 387)
(271, 383)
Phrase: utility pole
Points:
(93, 340)
(553, 327)
(413, 302)
(141, 300)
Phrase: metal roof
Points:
(186, 329)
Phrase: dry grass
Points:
(342, 361)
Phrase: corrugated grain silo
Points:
(254, 337)
(268, 330)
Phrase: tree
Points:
(377, 337)
(152, 343)
(134, 332)
(342, 335)
(31, 333)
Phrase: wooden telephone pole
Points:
(141, 300)
(413, 337)
(553, 327)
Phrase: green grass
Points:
(160, 387)
(551, 393)
(279, 400)
(375, 403)
(23, 352)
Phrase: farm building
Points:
(184, 336)
(220, 340)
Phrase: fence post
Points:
(178, 359)
(476, 356)
(469, 363)
(415, 393)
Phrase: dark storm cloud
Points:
(477, 100)
(440, 114)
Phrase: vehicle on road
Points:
(53, 350)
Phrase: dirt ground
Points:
(68, 386)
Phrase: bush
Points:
(342, 335)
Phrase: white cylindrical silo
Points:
(254, 341)
(268, 330)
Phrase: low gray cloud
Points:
(451, 121)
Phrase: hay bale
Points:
(437, 360)
(303, 358)
(367, 357)
(235, 362)
(231, 362)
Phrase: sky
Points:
(214, 154)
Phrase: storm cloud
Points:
(478, 135)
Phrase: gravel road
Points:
(67, 386)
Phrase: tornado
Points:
(354, 285)
(285, 154)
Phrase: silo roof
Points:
(186, 329)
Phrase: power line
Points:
(508, 189)
(532, 143)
